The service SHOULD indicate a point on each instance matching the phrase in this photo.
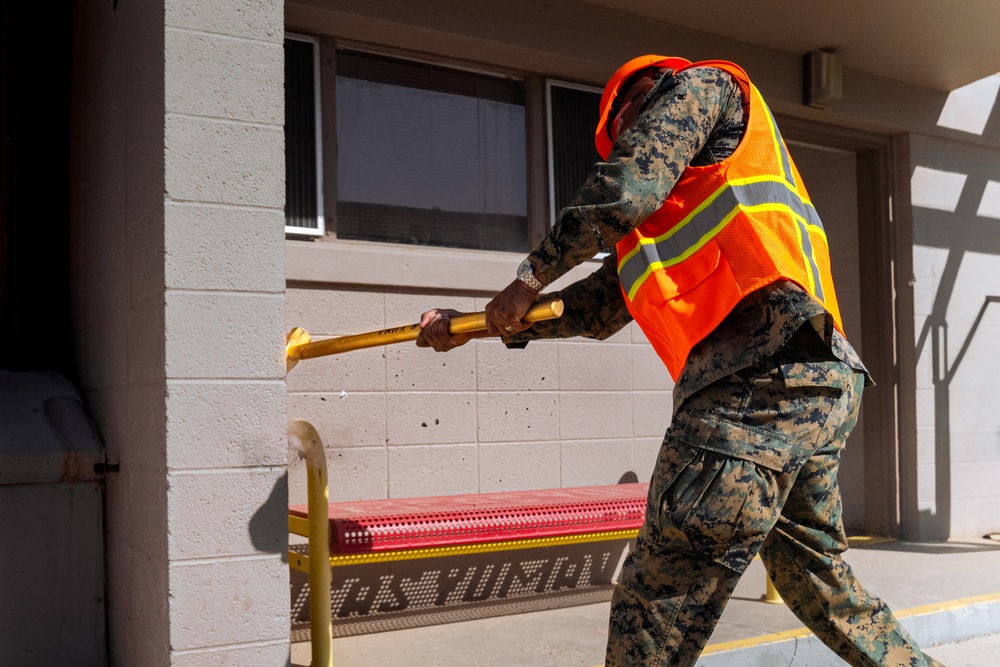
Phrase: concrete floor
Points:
(905, 575)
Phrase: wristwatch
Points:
(526, 274)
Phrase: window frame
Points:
(320, 229)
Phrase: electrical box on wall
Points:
(822, 78)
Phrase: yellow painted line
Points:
(805, 632)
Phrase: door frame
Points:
(885, 240)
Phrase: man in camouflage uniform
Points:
(762, 408)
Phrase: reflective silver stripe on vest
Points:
(807, 252)
(786, 161)
(706, 223)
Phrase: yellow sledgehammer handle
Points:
(298, 344)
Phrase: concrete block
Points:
(349, 420)
(144, 176)
(644, 454)
(362, 370)
(519, 466)
(926, 482)
(111, 369)
(354, 473)
(636, 335)
(651, 411)
(431, 418)
(435, 470)
(146, 344)
(976, 480)
(221, 77)
(512, 416)
(594, 462)
(144, 90)
(594, 367)
(648, 371)
(403, 309)
(254, 19)
(227, 513)
(411, 368)
(926, 443)
(146, 257)
(143, 414)
(147, 512)
(149, 611)
(224, 335)
(926, 401)
(224, 163)
(229, 424)
(593, 414)
(534, 368)
(207, 597)
(273, 653)
(221, 248)
(328, 312)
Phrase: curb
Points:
(931, 624)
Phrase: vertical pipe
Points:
(771, 595)
(320, 618)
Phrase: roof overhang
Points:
(938, 45)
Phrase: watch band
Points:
(526, 274)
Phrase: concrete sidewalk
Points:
(943, 593)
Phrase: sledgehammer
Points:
(299, 345)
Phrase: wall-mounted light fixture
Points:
(823, 82)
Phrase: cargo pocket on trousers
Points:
(723, 502)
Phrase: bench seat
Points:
(372, 526)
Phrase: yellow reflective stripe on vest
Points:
(762, 193)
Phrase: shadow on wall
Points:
(268, 524)
(956, 200)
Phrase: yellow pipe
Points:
(299, 345)
(320, 617)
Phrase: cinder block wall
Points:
(177, 261)
(956, 267)
(402, 421)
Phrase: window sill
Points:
(390, 265)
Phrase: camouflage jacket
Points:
(696, 117)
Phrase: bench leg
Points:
(320, 619)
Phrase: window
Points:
(303, 166)
(428, 155)
(573, 115)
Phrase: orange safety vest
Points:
(725, 230)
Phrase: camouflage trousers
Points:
(749, 465)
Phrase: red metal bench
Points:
(409, 528)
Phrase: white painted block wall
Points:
(402, 421)
(178, 277)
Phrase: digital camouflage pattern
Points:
(695, 117)
(762, 410)
(749, 464)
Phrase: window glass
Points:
(429, 156)
(302, 213)
(574, 114)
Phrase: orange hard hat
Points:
(601, 138)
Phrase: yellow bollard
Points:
(299, 345)
(320, 616)
(771, 595)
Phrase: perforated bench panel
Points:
(414, 523)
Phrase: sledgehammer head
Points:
(295, 337)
